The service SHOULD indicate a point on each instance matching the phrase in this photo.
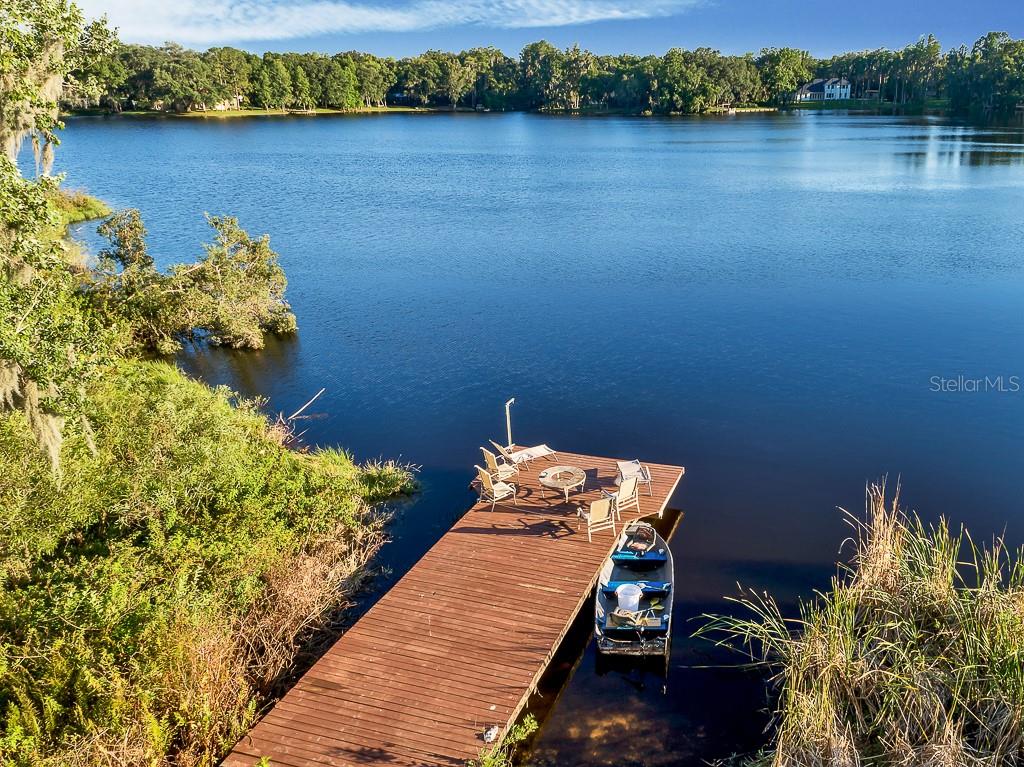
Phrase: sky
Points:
(407, 27)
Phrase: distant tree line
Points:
(987, 78)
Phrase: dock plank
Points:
(412, 683)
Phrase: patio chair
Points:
(525, 455)
(636, 469)
(495, 491)
(498, 471)
(626, 497)
(598, 517)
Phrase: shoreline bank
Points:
(227, 114)
(855, 106)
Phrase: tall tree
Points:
(741, 79)
(340, 87)
(137, 91)
(988, 79)
(98, 76)
(783, 69)
(540, 70)
(43, 42)
(259, 86)
(375, 76)
(577, 65)
(279, 83)
(49, 346)
(419, 77)
(182, 80)
(302, 94)
(456, 78)
(495, 81)
(680, 83)
(316, 66)
(232, 68)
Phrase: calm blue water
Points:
(764, 299)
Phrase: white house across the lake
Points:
(822, 89)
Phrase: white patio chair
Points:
(598, 517)
(524, 455)
(495, 491)
(626, 497)
(499, 471)
(636, 469)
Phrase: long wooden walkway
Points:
(459, 643)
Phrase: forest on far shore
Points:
(985, 80)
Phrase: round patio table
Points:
(563, 478)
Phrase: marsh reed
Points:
(914, 656)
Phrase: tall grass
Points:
(155, 592)
(915, 656)
(74, 206)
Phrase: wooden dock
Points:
(459, 643)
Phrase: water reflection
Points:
(644, 711)
(636, 712)
(975, 157)
(248, 370)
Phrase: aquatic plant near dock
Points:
(502, 754)
(914, 656)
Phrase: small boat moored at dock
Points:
(633, 612)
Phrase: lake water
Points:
(765, 299)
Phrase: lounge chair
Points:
(525, 455)
(598, 517)
(495, 491)
(626, 497)
(499, 471)
(636, 469)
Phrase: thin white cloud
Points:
(199, 22)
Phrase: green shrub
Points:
(170, 572)
(503, 754)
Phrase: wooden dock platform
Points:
(460, 642)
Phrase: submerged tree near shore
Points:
(232, 296)
(914, 657)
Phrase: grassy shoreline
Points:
(182, 548)
(933, 106)
(228, 114)
(160, 585)
(73, 206)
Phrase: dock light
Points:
(508, 421)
